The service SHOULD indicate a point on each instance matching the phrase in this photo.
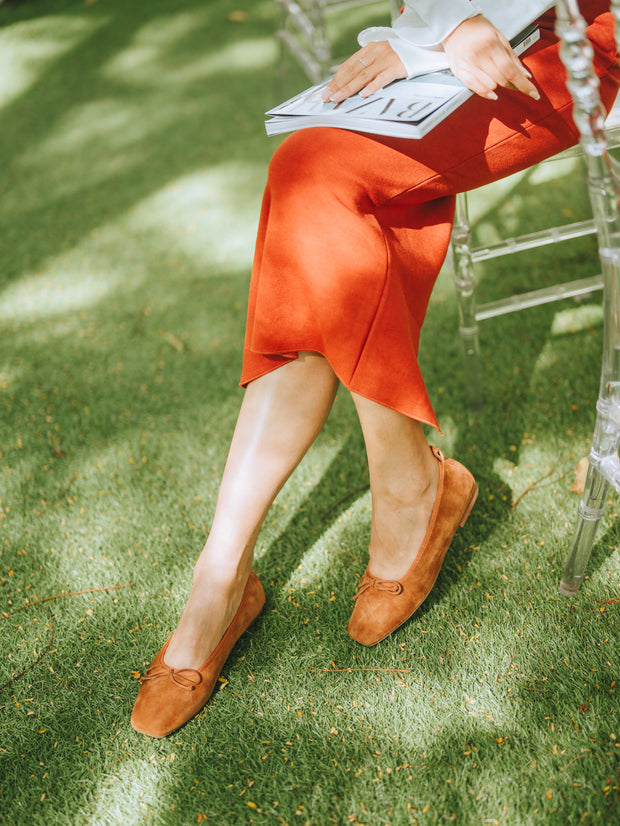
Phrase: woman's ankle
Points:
(208, 612)
(218, 584)
(223, 569)
(399, 525)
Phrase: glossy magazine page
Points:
(404, 108)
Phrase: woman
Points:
(353, 232)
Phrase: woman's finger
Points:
(478, 81)
(345, 90)
(512, 74)
(348, 75)
(370, 68)
(380, 82)
(475, 49)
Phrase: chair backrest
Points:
(303, 34)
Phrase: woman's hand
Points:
(366, 72)
(481, 57)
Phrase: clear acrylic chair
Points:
(303, 32)
(597, 137)
(471, 312)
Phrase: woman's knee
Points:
(312, 158)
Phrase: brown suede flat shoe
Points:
(382, 605)
(169, 697)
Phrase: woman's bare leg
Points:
(403, 482)
(281, 415)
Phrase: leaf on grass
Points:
(580, 476)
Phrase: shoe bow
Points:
(186, 678)
(391, 586)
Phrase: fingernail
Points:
(337, 97)
(491, 96)
(535, 94)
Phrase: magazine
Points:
(407, 108)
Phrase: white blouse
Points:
(416, 36)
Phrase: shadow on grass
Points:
(157, 94)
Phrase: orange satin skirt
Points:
(354, 228)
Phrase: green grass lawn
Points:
(132, 161)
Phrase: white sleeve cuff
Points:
(415, 59)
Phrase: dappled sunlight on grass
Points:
(254, 54)
(204, 222)
(28, 49)
(135, 791)
(528, 464)
(59, 292)
(103, 139)
(575, 339)
(606, 573)
(459, 692)
(503, 198)
(152, 44)
(576, 319)
(92, 147)
(556, 169)
(140, 64)
(324, 562)
(87, 145)
(208, 216)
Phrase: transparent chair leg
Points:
(472, 369)
(589, 115)
(588, 517)
(465, 286)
